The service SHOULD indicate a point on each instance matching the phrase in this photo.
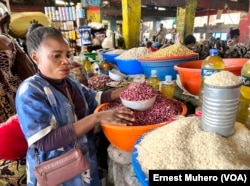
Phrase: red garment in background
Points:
(153, 49)
(13, 145)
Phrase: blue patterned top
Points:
(41, 108)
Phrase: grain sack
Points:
(183, 145)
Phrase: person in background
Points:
(234, 35)
(228, 34)
(15, 66)
(150, 46)
(201, 39)
(161, 34)
(210, 37)
(55, 110)
(189, 41)
(155, 43)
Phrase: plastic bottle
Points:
(84, 50)
(167, 87)
(154, 80)
(212, 64)
(243, 114)
(85, 61)
(82, 56)
(87, 67)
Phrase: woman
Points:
(48, 102)
(15, 66)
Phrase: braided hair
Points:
(38, 35)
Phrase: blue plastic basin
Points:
(129, 66)
(109, 57)
(163, 66)
(142, 178)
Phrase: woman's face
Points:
(53, 58)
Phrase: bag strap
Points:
(71, 101)
(73, 106)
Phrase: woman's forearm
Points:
(84, 125)
(115, 94)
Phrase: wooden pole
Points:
(131, 15)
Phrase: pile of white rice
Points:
(223, 79)
(183, 145)
(134, 53)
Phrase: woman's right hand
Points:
(123, 117)
(118, 117)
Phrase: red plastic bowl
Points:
(124, 137)
(190, 72)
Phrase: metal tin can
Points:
(219, 109)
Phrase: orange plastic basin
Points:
(124, 137)
(190, 72)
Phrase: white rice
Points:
(183, 145)
(223, 79)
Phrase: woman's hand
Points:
(119, 117)
(123, 117)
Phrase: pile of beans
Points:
(138, 92)
(171, 51)
(98, 81)
(162, 110)
(134, 53)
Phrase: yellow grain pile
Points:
(183, 145)
(170, 51)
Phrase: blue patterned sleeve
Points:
(36, 115)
